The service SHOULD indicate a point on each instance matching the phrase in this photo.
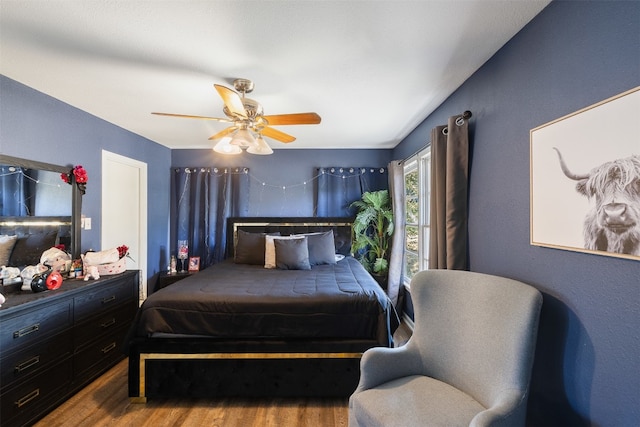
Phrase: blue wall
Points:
(38, 127)
(288, 168)
(572, 55)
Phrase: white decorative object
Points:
(57, 259)
(92, 273)
(102, 257)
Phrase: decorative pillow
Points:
(292, 254)
(250, 248)
(270, 249)
(6, 246)
(29, 248)
(322, 248)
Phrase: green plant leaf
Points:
(372, 229)
(380, 266)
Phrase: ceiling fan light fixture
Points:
(224, 146)
(247, 122)
(262, 147)
(243, 138)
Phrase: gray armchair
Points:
(468, 362)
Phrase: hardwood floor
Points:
(105, 403)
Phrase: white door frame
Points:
(107, 229)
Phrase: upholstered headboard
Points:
(341, 227)
(35, 235)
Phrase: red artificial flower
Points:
(80, 174)
(123, 251)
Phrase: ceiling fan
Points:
(247, 119)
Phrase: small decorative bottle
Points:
(173, 267)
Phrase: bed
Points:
(238, 328)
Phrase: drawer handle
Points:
(28, 398)
(108, 323)
(26, 331)
(108, 348)
(108, 299)
(27, 364)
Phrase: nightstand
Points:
(165, 279)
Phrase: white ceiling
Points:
(373, 70)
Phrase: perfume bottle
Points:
(173, 266)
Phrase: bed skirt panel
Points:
(202, 368)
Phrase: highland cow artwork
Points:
(585, 179)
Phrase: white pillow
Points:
(270, 248)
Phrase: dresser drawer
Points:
(104, 298)
(22, 403)
(102, 324)
(33, 359)
(20, 331)
(100, 354)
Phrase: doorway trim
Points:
(141, 167)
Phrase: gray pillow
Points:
(292, 254)
(250, 248)
(322, 248)
(6, 246)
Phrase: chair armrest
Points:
(380, 365)
(509, 410)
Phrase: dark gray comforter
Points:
(228, 300)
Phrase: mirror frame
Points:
(76, 195)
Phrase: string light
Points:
(19, 171)
(322, 171)
(353, 173)
(24, 199)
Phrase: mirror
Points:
(34, 198)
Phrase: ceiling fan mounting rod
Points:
(243, 86)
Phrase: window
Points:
(417, 184)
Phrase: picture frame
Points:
(194, 264)
(584, 177)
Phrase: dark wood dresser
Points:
(54, 343)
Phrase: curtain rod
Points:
(459, 121)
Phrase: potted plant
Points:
(372, 229)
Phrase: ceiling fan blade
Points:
(232, 101)
(277, 135)
(293, 119)
(223, 132)
(186, 116)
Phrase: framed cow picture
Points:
(585, 179)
